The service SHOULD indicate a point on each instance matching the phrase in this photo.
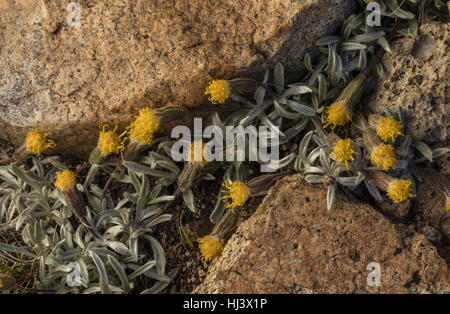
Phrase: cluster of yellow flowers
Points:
(141, 130)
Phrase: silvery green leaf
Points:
(158, 253)
(284, 162)
(15, 249)
(293, 131)
(424, 149)
(120, 271)
(331, 196)
(68, 255)
(165, 198)
(104, 281)
(138, 168)
(352, 65)
(78, 236)
(218, 211)
(260, 93)
(144, 268)
(304, 144)
(118, 247)
(322, 90)
(279, 77)
(91, 175)
(155, 191)
(42, 273)
(23, 176)
(84, 271)
(384, 43)
(362, 59)
(142, 198)
(266, 77)
(393, 5)
(368, 37)
(266, 121)
(150, 211)
(113, 232)
(313, 178)
(133, 244)
(347, 31)
(373, 190)
(170, 166)
(208, 177)
(5, 175)
(441, 151)
(297, 90)
(188, 198)
(161, 285)
(54, 161)
(352, 45)
(160, 219)
(39, 168)
(325, 160)
(105, 214)
(284, 113)
(380, 70)
(313, 170)
(328, 40)
(302, 109)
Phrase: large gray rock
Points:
(418, 79)
(129, 54)
(293, 244)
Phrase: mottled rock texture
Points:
(127, 54)
(293, 244)
(418, 79)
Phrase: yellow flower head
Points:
(383, 156)
(400, 190)
(110, 142)
(210, 247)
(447, 205)
(343, 151)
(37, 142)
(238, 192)
(65, 180)
(144, 127)
(337, 115)
(219, 91)
(196, 152)
(388, 128)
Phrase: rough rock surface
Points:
(292, 244)
(133, 53)
(418, 79)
